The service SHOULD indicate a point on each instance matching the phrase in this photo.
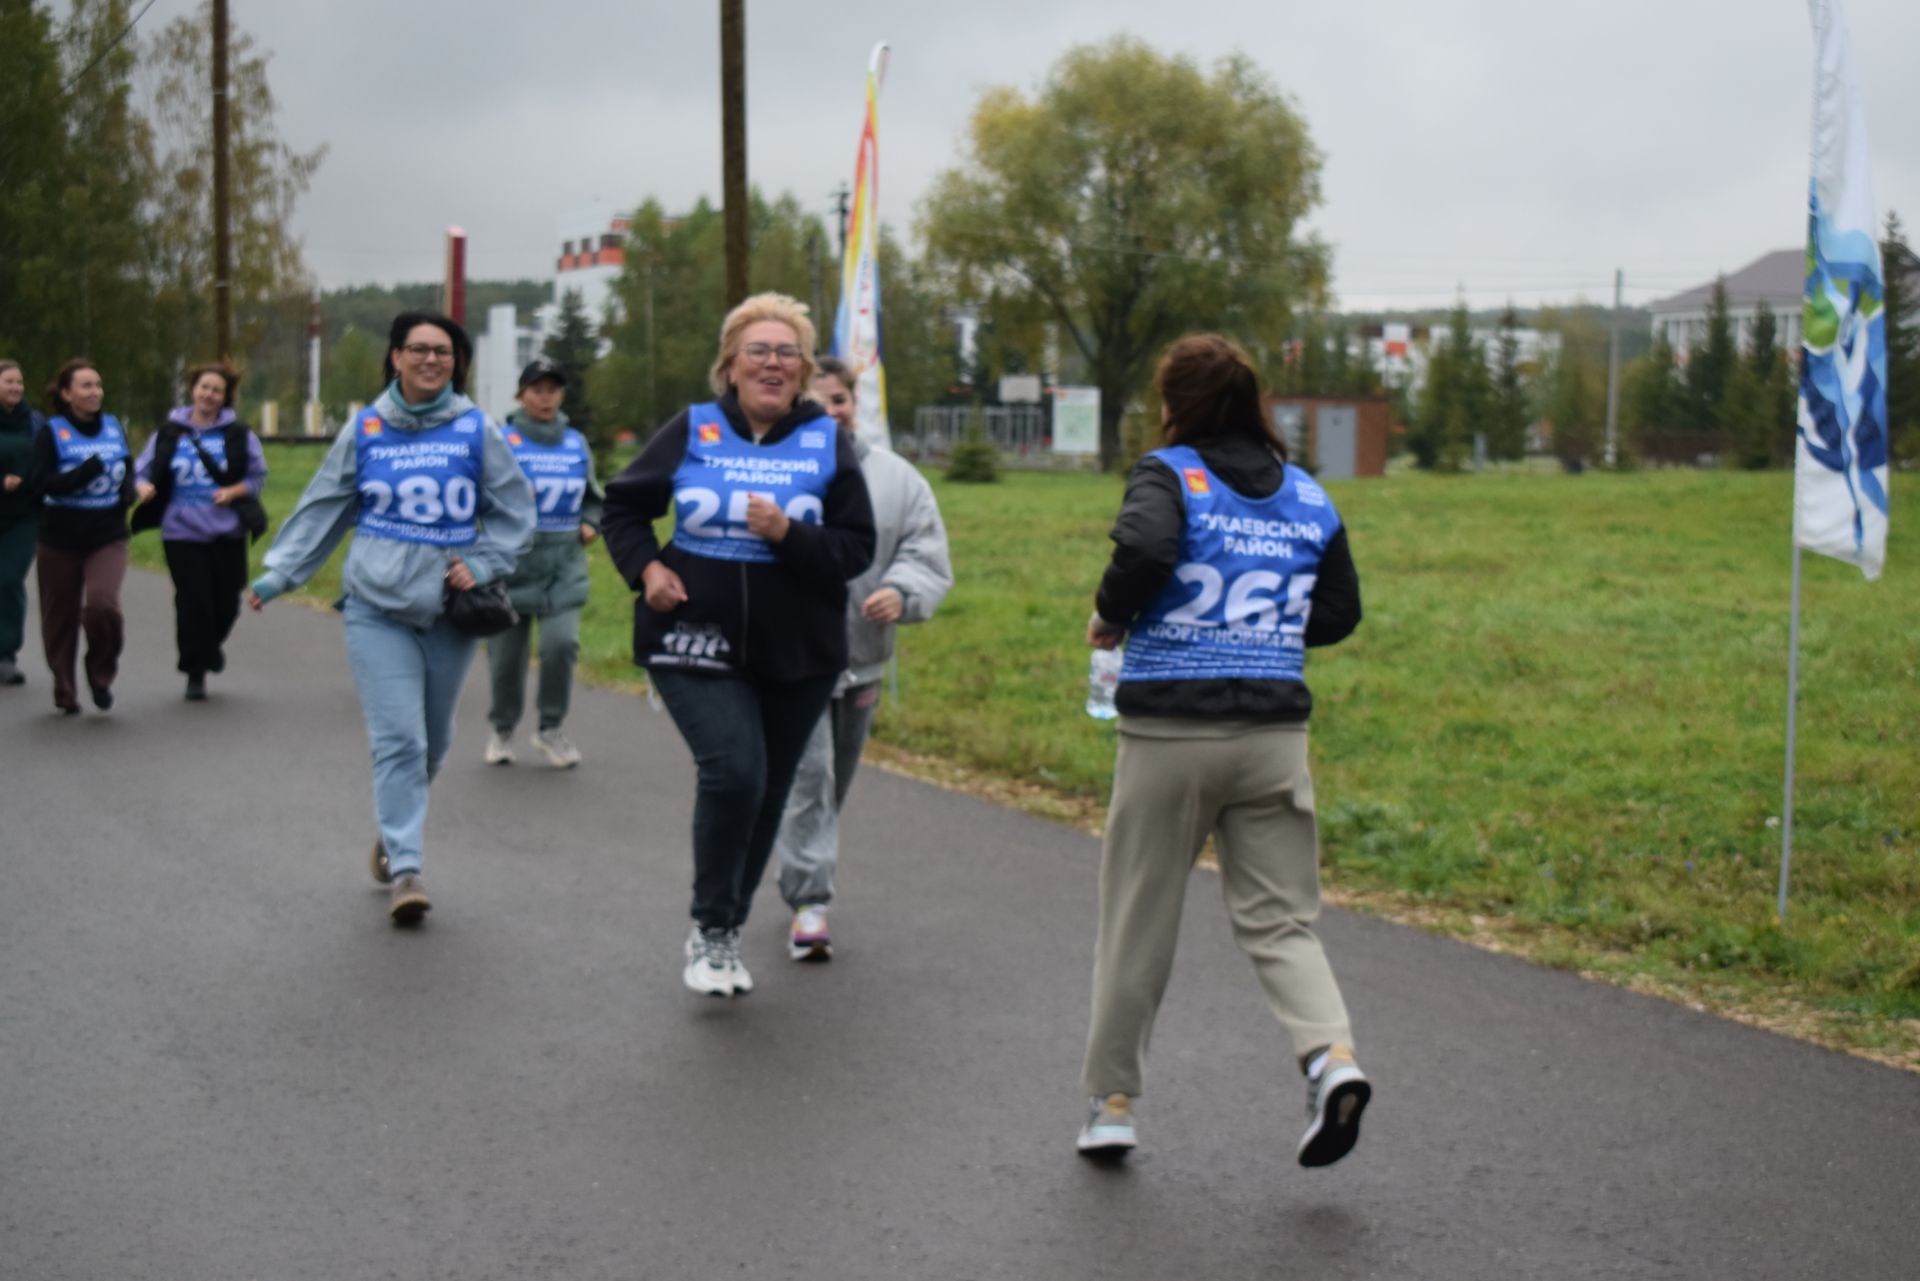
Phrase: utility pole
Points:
(1613, 373)
(733, 142)
(222, 192)
(816, 277)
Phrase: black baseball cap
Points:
(540, 367)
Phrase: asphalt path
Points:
(218, 1060)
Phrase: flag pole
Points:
(1793, 698)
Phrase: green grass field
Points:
(1564, 714)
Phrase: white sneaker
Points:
(499, 751)
(708, 971)
(559, 749)
(742, 981)
(808, 939)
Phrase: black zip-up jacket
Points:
(1146, 539)
(72, 528)
(781, 622)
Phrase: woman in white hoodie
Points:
(440, 504)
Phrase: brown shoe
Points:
(382, 874)
(409, 899)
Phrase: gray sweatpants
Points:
(507, 657)
(1174, 783)
(808, 847)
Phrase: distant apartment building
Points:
(1778, 279)
(593, 249)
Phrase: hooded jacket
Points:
(551, 577)
(909, 555)
(405, 581)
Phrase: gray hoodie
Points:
(403, 580)
(909, 555)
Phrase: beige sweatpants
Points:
(1174, 783)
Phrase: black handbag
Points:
(485, 610)
(251, 511)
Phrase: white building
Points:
(592, 244)
(1777, 279)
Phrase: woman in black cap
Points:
(550, 582)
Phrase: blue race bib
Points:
(421, 486)
(558, 474)
(722, 470)
(193, 484)
(1238, 601)
(74, 447)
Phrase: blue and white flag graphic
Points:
(1840, 456)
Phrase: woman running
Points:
(84, 471)
(550, 583)
(200, 463)
(438, 504)
(19, 515)
(742, 623)
(1227, 565)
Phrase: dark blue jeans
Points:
(747, 738)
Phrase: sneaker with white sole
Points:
(1337, 1093)
(499, 750)
(557, 747)
(1109, 1128)
(742, 981)
(808, 939)
(709, 970)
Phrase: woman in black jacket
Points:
(1227, 565)
(84, 472)
(19, 515)
(742, 622)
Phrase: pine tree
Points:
(1902, 271)
(1507, 422)
(573, 347)
(1710, 363)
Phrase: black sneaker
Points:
(196, 687)
(10, 673)
(102, 697)
(1336, 1096)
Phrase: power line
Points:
(112, 44)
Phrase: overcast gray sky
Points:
(1517, 148)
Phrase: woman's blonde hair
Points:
(790, 312)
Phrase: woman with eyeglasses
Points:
(84, 472)
(438, 504)
(742, 621)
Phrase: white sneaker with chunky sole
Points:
(1109, 1128)
(499, 750)
(709, 969)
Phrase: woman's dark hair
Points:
(833, 367)
(228, 375)
(403, 324)
(57, 389)
(1211, 390)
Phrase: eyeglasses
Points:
(787, 352)
(426, 351)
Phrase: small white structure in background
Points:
(499, 355)
(1020, 389)
(1076, 420)
(1778, 279)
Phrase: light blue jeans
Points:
(409, 681)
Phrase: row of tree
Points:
(106, 233)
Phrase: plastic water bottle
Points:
(1103, 678)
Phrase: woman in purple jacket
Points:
(200, 462)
